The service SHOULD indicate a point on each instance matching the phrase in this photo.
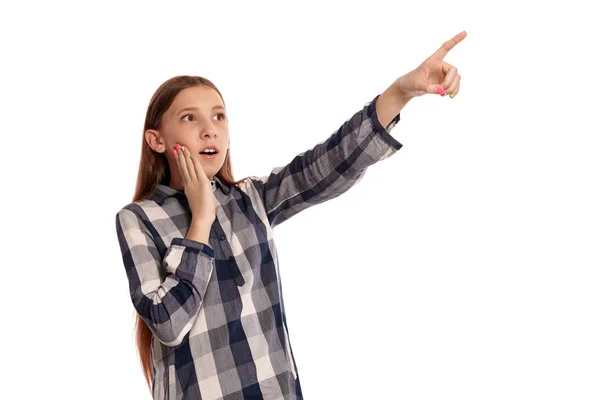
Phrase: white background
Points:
(466, 266)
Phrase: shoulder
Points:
(252, 182)
(142, 209)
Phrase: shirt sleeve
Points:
(167, 292)
(328, 169)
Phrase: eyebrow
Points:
(196, 108)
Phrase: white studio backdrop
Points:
(466, 266)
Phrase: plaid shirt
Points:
(216, 309)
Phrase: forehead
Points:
(203, 97)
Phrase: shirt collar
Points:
(163, 192)
(221, 185)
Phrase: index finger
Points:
(448, 45)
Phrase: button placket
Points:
(234, 270)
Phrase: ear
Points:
(155, 140)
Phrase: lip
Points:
(208, 156)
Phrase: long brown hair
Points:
(154, 170)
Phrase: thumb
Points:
(435, 89)
(200, 173)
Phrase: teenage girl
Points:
(198, 246)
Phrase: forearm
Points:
(199, 231)
(390, 103)
(167, 290)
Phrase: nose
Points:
(209, 132)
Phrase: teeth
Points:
(209, 151)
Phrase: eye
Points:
(186, 115)
(223, 116)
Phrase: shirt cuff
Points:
(203, 247)
(378, 128)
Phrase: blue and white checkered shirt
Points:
(216, 309)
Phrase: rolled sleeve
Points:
(166, 291)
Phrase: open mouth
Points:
(209, 154)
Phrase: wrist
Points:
(401, 91)
(201, 223)
(199, 231)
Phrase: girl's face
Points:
(196, 119)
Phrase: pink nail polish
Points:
(177, 146)
(174, 152)
(440, 91)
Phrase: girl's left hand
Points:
(434, 75)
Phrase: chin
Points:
(212, 172)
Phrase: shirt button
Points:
(221, 237)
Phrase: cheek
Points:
(178, 137)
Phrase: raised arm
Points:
(328, 169)
(336, 164)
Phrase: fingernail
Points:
(182, 148)
(174, 152)
(440, 91)
(452, 95)
(191, 156)
(177, 146)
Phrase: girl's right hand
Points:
(197, 187)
